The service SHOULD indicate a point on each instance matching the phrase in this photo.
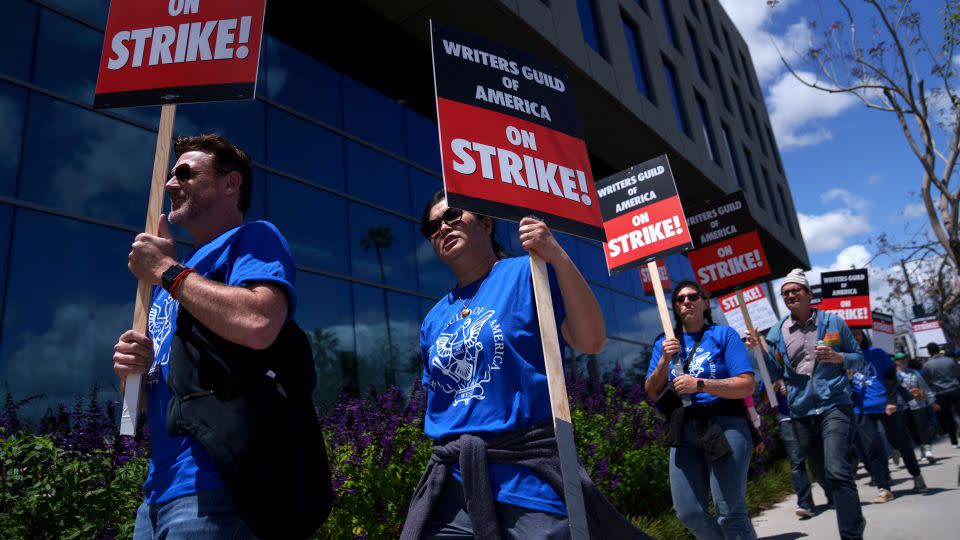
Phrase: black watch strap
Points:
(170, 275)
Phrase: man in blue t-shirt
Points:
(238, 282)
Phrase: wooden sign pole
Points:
(559, 404)
(757, 352)
(131, 386)
(661, 300)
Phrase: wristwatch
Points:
(170, 275)
(699, 385)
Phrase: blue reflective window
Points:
(638, 59)
(678, 266)
(372, 116)
(591, 27)
(679, 110)
(376, 178)
(312, 221)
(373, 344)
(100, 168)
(772, 194)
(21, 16)
(240, 121)
(60, 342)
(298, 147)
(695, 45)
(729, 147)
(404, 320)
(627, 317)
(298, 80)
(13, 105)
(593, 265)
(67, 57)
(605, 299)
(754, 181)
(6, 229)
(423, 140)
(668, 23)
(94, 11)
(325, 312)
(382, 247)
(707, 130)
(258, 200)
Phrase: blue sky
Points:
(850, 170)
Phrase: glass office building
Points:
(343, 169)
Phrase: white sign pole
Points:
(757, 352)
(131, 385)
(559, 404)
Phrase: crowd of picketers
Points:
(237, 451)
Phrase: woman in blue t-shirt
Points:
(494, 470)
(710, 439)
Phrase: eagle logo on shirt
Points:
(160, 324)
(700, 362)
(458, 367)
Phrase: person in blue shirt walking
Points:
(238, 282)
(494, 472)
(710, 440)
(811, 351)
(875, 388)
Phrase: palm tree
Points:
(377, 238)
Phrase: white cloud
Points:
(797, 111)
(848, 199)
(913, 210)
(829, 231)
(751, 19)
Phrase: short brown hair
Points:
(226, 157)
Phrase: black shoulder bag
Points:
(668, 400)
(252, 410)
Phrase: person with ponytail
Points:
(494, 472)
(710, 441)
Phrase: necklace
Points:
(465, 306)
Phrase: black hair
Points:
(441, 195)
(865, 342)
(933, 348)
(707, 313)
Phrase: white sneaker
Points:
(803, 513)
(885, 495)
(931, 459)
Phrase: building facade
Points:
(344, 139)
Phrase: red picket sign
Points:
(182, 51)
(846, 293)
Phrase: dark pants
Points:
(871, 440)
(949, 402)
(921, 431)
(798, 465)
(451, 520)
(827, 440)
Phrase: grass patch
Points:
(763, 492)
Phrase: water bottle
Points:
(677, 371)
(820, 343)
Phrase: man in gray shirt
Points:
(942, 375)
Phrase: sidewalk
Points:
(934, 515)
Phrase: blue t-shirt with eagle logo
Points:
(245, 255)
(720, 355)
(484, 372)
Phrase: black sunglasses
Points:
(432, 227)
(693, 297)
(183, 172)
(791, 292)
